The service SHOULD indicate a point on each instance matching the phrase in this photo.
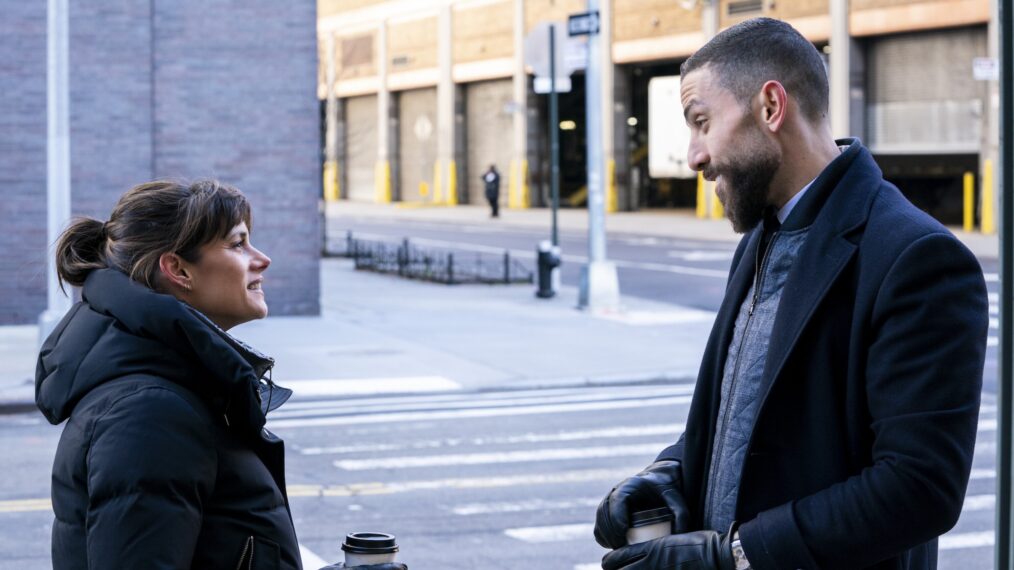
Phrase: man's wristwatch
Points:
(737, 553)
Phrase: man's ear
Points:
(174, 270)
(774, 102)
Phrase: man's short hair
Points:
(750, 53)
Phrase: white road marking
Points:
(477, 413)
(466, 401)
(556, 533)
(994, 309)
(622, 431)
(607, 476)
(701, 255)
(521, 456)
(992, 341)
(994, 298)
(991, 277)
(311, 560)
(978, 503)
(994, 323)
(983, 474)
(360, 386)
(523, 506)
(967, 540)
(987, 424)
(653, 318)
(594, 566)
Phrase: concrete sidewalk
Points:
(682, 224)
(383, 334)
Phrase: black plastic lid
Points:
(651, 516)
(369, 543)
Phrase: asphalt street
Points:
(466, 481)
(690, 273)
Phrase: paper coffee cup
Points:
(649, 525)
(363, 548)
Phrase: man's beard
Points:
(746, 182)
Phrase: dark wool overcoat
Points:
(164, 462)
(861, 450)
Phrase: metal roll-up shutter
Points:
(921, 94)
(417, 135)
(361, 146)
(490, 128)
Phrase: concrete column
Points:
(445, 170)
(709, 18)
(57, 156)
(840, 76)
(608, 71)
(517, 193)
(989, 154)
(382, 173)
(331, 185)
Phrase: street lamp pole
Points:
(57, 157)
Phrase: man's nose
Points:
(697, 156)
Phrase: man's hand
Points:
(700, 550)
(660, 482)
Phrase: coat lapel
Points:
(821, 260)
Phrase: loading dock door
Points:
(490, 136)
(417, 138)
(361, 147)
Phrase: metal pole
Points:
(57, 157)
(599, 284)
(1006, 380)
(554, 133)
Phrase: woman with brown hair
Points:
(164, 461)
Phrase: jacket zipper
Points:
(761, 265)
(247, 549)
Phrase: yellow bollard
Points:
(438, 190)
(331, 181)
(612, 200)
(424, 189)
(452, 184)
(524, 198)
(717, 212)
(382, 182)
(702, 201)
(969, 209)
(512, 184)
(988, 220)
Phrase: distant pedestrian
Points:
(164, 461)
(492, 180)
(834, 418)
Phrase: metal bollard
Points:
(548, 259)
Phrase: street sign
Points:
(584, 24)
(541, 85)
(985, 69)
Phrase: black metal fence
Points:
(407, 260)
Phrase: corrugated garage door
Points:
(417, 139)
(922, 98)
(361, 146)
(490, 136)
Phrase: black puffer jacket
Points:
(164, 462)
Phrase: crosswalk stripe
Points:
(978, 503)
(358, 386)
(524, 456)
(476, 413)
(607, 476)
(522, 506)
(992, 341)
(555, 533)
(465, 402)
(620, 431)
(967, 540)
(310, 560)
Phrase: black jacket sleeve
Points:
(151, 467)
(926, 347)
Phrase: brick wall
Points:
(22, 161)
(183, 89)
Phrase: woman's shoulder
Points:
(150, 396)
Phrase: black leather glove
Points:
(660, 484)
(384, 566)
(699, 550)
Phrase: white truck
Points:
(668, 133)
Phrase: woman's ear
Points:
(175, 271)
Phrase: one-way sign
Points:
(583, 24)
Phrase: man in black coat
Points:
(836, 408)
(491, 179)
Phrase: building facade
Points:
(419, 96)
(180, 89)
